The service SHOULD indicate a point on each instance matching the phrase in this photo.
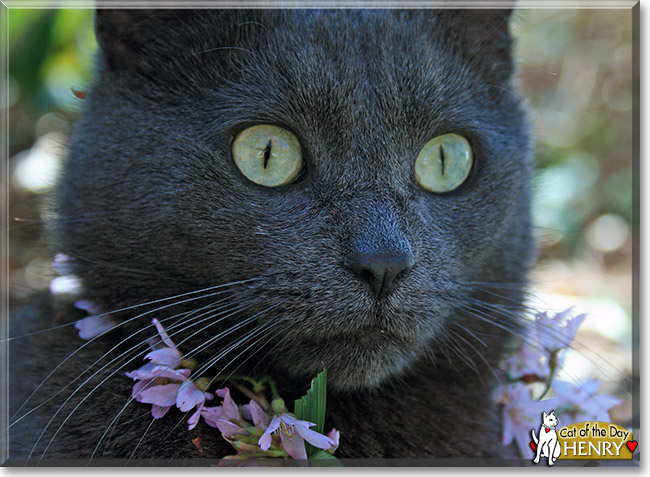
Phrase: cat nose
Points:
(381, 271)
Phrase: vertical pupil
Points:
(267, 153)
(442, 160)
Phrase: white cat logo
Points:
(547, 445)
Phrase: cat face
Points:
(550, 420)
(353, 266)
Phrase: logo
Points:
(581, 440)
(547, 444)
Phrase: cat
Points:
(408, 295)
(547, 444)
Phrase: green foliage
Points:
(311, 407)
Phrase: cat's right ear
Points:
(131, 39)
(121, 36)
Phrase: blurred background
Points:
(575, 71)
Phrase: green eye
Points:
(268, 155)
(443, 163)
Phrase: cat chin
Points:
(353, 365)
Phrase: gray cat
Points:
(356, 181)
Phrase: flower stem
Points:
(274, 389)
(552, 363)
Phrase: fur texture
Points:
(151, 205)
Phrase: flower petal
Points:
(158, 412)
(228, 429)
(94, 326)
(162, 395)
(163, 334)
(335, 436)
(292, 421)
(230, 409)
(152, 371)
(212, 414)
(88, 306)
(168, 356)
(265, 440)
(194, 418)
(62, 264)
(66, 284)
(294, 445)
(260, 418)
(314, 438)
(189, 396)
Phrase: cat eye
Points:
(268, 155)
(444, 163)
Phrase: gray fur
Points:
(151, 205)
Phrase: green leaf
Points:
(311, 407)
(324, 459)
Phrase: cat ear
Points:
(155, 41)
(125, 36)
(545, 415)
(484, 39)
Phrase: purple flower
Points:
(68, 284)
(521, 414)
(162, 385)
(228, 411)
(335, 436)
(254, 412)
(93, 325)
(528, 362)
(582, 401)
(557, 332)
(62, 264)
(293, 434)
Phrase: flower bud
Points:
(278, 406)
(203, 384)
(189, 363)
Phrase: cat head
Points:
(549, 420)
(355, 263)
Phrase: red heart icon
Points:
(547, 429)
(534, 446)
(631, 445)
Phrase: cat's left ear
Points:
(487, 32)
(480, 36)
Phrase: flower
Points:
(67, 283)
(335, 436)
(93, 325)
(521, 414)
(293, 434)
(528, 364)
(163, 385)
(582, 402)
(557, 332)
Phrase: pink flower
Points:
(528, 362)
(162, 385)
(62, 264)
(582, 401)
(521, 414)
(93, 325)
(335, 436)
(68, 284)
(228, 411)
(293, 434)
(557, 332)
(254, 412)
